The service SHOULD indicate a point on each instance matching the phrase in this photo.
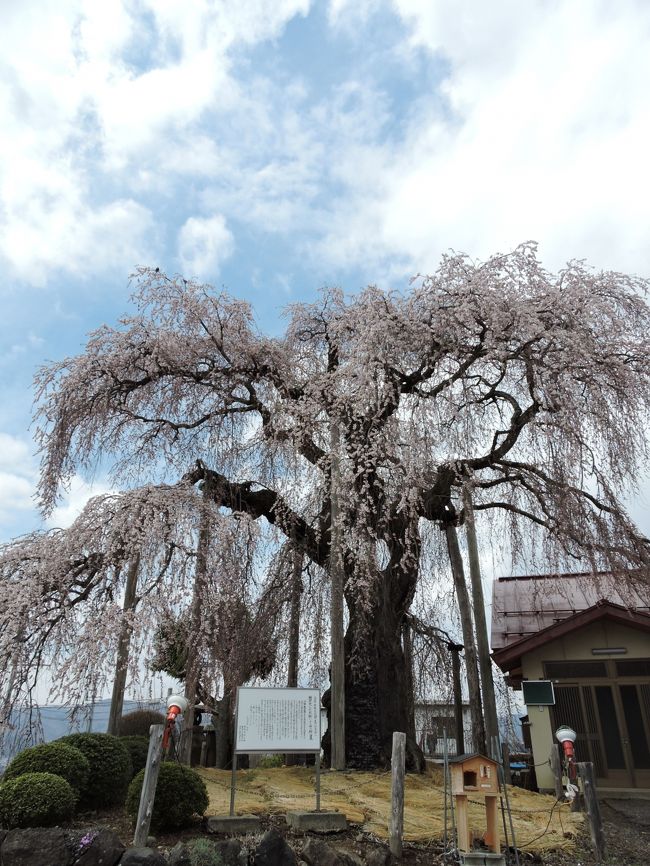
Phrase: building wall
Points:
(573, 647)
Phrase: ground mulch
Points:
(626, 830)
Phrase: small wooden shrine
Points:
(474, 776)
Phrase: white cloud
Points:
(203, 244)
(76, 495)
(93, 98)
(17, 481)
(542, 136)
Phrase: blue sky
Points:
(274, 146)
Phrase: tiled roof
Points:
(523, 606)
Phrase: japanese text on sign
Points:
(277, 720)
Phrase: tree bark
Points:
(377, 693)
(482, 640)
(471, 666)
(123, 644)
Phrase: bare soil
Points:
(626, 828)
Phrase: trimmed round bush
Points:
(181, 796)
(35, 800)
(138, 749)
(137, 723)
(61, 759)
(110, 768)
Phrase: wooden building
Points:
(590, 636)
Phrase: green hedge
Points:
(137, 723)
(138, 749)
(110, 768)
(61, 759)
(35, 800)
(181, 796)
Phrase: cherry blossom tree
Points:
(530, 387)
(75, 611)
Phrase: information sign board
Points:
(277, 720)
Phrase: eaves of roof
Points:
(510, 656)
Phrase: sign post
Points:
(272, 720)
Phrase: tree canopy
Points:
(532, 387)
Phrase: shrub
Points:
(203, 852)
(180, 795)
(137, 723)
(35, 800)
(61, 759)
(110, 768)
(138, 749)
(268, 762)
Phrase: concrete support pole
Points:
(123, 644)
(337, 713)
(480, 622)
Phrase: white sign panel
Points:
(277, 720)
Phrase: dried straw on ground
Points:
(540, 824)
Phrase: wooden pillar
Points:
(454, 649)
(149, 783)
(492, 839)
(556, 767)
(396, 822)
(462, 822)
(586, 773)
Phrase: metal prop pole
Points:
(317, 757)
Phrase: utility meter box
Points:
(473, 774)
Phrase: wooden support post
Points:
(454, 649)
(586, 773)
(505, 758)
(462, 822)
(492, 839)
(556, 767)
(151, 771)
(396, 820)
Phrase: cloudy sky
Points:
(274, 146)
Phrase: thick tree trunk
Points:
(471, 664)
(377, 681)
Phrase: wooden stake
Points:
(148, 795)
(586, 773)
(396, 819)
(556, 767)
